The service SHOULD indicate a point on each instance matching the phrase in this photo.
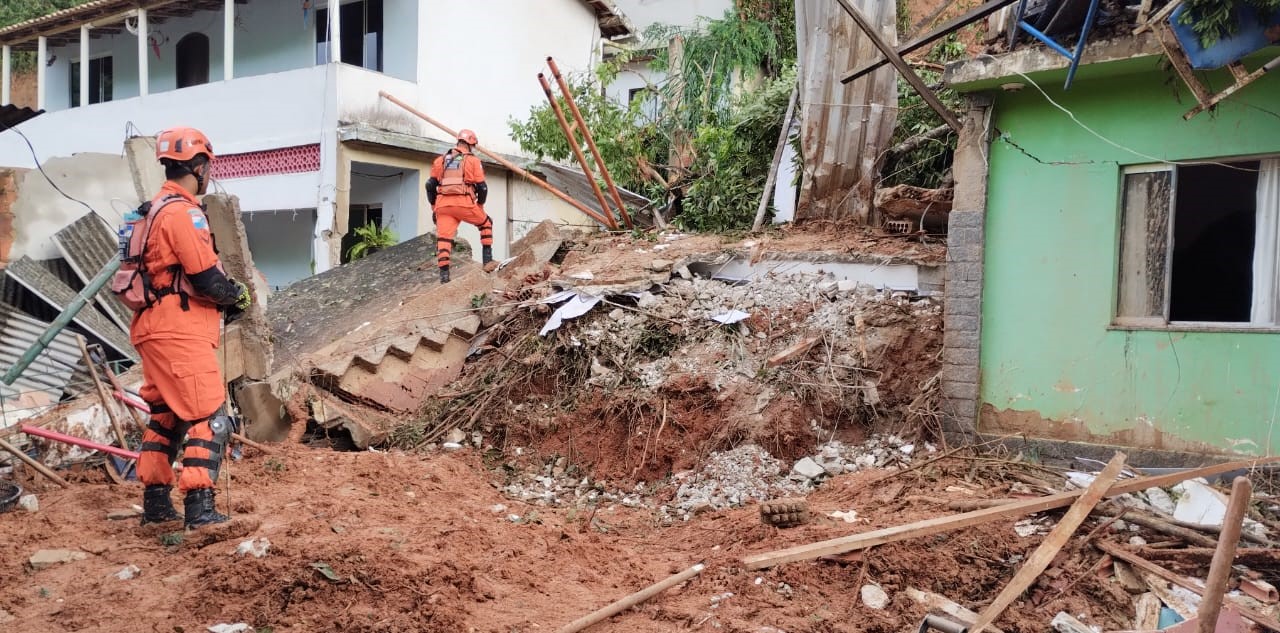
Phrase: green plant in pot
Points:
(370, 239)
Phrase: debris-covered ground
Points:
(567, 470)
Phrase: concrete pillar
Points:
(6, 65)
(228, 40)
(966, 234)
(42, 60)
(335, 32)
(84, 66)
(144, 55)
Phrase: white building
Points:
(637, 76)
(288, 92)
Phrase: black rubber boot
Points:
(200, 509)
(444, 274)
(487, 255)
(157, 506)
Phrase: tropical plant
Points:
(370, 239)
(1214, 19)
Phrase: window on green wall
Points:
(1200, 244)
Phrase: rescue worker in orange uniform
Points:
(176, 335)
(457, 193)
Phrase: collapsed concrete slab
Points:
(382, 331)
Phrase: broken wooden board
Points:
(795, 351)
(1058, 537)
(939, 525)
(933, 602)
(1147, 567)
(1147, 617)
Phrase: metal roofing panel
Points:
(52, 369)
(13, 116)
(575, 183)
(88, 244)
(844, 128)
(53, 291)
(106, 15)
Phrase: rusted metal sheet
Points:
(844, 128)
(88, 244)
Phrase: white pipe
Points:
(84, 66)
(6, 61)
(335, 32)
(42, 60)
(144, 55)
(228, 40)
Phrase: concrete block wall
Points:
(962, 312)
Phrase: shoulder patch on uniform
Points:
(198, 219)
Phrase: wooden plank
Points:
(799, 349)
(1052, 544)
(1177, 603)
(1148, 613)
(1157, 571)
(934, 603)
(933, 36)
(939, 525)
(40, 468)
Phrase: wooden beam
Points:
(1049, 548)
(903, 69)
(40, 468)
(951, 523)
(933, 36)
(1155, 570)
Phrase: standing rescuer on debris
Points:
(457, 192)
(171, 276)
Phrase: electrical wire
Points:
(1104, 138)
(36, 158)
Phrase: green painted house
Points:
(1113, 267)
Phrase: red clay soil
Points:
(415, 544)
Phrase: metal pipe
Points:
(591, 142)
(102, 393)
(500, 160)
(29, 356)
(1215, 586)
(577, 151)
(76, 441)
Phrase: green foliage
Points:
(1214, 19)
(370, 238)
(15, 11)
(733, 156)
(706, 135)
(925, 165)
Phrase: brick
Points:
(959, 219)
(959, 389)
(965, 409)
(963, 303)
(960, 373)
(960, 341)
(962, 323)
(959, 355)
(965, 271)
(965, 253)
(957, 237)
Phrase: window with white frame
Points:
(1200, 244)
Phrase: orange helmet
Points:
(468, 136)
(183, 144)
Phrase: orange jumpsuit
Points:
(182, 379)
(450, 210)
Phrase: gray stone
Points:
(455, 436)
(29, 503)
(124, 515)
(808, 468)
(847, 286)
(833, 468)
(661, 265)
(46, 558)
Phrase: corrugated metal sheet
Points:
(48, 287)
(574, 183)
(52, 369)
(13, 116)
(845, 129)
(88, 244)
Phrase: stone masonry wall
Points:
(963, 307)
